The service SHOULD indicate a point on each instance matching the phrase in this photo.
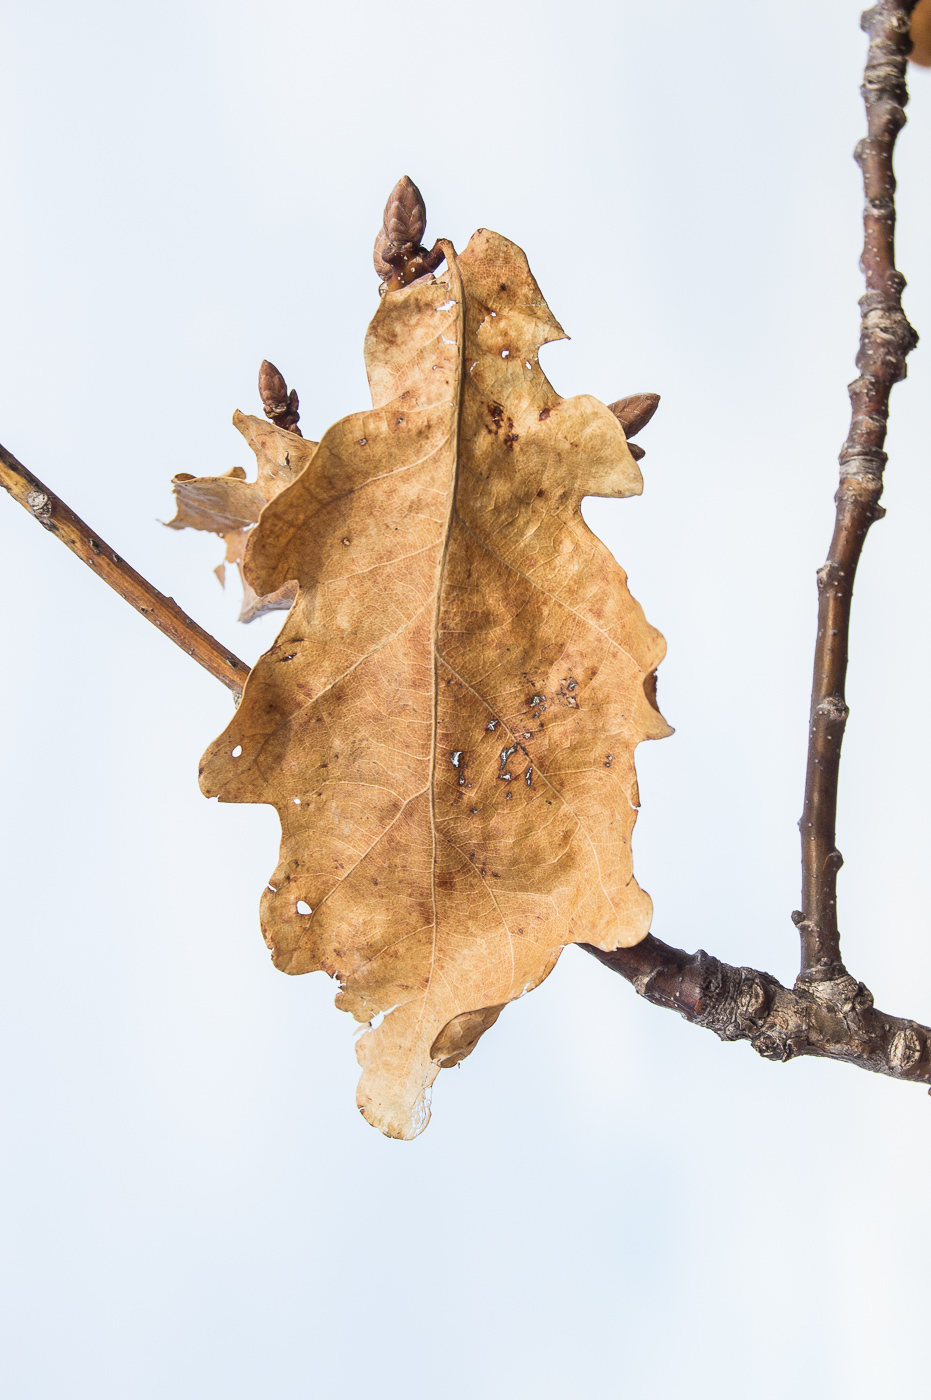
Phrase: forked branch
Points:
(828, 1013)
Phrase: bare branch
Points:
(885, 339)
(162, 612)
(828, 1013)
(831, 1018)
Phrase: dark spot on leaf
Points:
(544, 414)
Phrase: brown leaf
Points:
(921, 33)
(230, 505)
(446, 723)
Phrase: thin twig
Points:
(831, 1018)
(828, 1013)
(885, 339)
(162, 612)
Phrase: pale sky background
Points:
(608, 1202)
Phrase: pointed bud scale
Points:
(634, 412)
(384, 269)
(279, 405)
(405, 220)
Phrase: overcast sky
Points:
(607, 1200)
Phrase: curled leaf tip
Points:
(921, 34)
(279, 405)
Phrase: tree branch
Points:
(885, 339)
(162, 612)
(833, 1018)
(828, 1013)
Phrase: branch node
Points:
(40, 506)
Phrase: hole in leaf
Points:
(303, 908)
(237, 751)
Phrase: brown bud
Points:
(634, 412)
(636, 451)
(384, 269)
(279, 405)
(405, 218)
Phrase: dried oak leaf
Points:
(446, 723)
(921, 33)
(230, 505)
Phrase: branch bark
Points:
(885, 339)
(832, 1018)
(162, 612)
(827, 1013)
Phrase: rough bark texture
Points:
(162, 612)
(833, 1018)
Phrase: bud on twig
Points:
(279, 405)
(399, 256)
(634, 412)
(405, 219)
